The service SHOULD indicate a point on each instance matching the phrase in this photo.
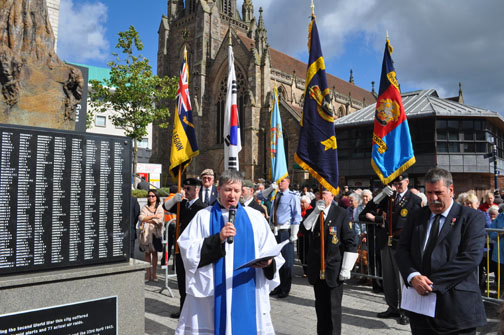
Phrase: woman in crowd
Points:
(489, 201)
(303, 239)
(471, 200)
(151, 218)
(498, 249)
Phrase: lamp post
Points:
(492, 158)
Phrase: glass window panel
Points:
(442, 147)
(453, 147)
(468, 124)
(479, 124)
(481, 147)
(481, 135)
(101, 121)
(442, 134)
(468, 135)
(453, 135)
(441, 124)
(453, 124)
(469, 147)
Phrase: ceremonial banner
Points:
(232, 141)
(184, 146)
(278, 162)
(317, 149)
(392, 152)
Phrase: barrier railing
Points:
(368, 263)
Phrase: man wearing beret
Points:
(208, 193)
(404, 203)
(189, 206)
(247, 198)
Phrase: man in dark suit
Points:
(208, 191)
(189, 206)
(340, 256)
(404, 203)
(247, 198)
(438, 253)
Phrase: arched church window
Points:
(341, 111)
(221, 105)
(281, 93)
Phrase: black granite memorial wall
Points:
(64, 198)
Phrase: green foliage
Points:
(136, 95)
(139, 193)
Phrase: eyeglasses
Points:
(151, 196)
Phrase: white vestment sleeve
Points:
(199, 281)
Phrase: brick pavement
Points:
(360, 306)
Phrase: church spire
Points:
(351, 77)
(247, 11)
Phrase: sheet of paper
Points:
(265, 254)
(421, 304)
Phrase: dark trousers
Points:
(423, 325)
(181, 279)
(391, 278)
(328, 308)
(374, 257)
(286, 270)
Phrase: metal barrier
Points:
(165, 267)
(492, 293)
(491, 280)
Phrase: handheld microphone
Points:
(232, 215)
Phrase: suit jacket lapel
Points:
(448, 224)
(422, 228)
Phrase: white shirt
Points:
(442, 220)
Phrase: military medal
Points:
(404, 212)
(334, 232)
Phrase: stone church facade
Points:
(203, 27)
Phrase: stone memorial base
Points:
(123, 282)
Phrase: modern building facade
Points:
(446, 133)
(204, 27)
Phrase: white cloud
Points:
(81, 35)
(437, 43)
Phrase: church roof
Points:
(288, 64)
(421, 103)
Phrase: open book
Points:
(265, 254)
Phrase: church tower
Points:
(204, 27)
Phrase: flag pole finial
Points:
(312, 8)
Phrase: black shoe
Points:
(403, 319)
(389, 313)
(377, 290)
(282, 295)
(274, 292)
(175, 315)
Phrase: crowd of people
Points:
(365, 232)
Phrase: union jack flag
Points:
(183, 100)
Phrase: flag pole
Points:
(177, 225)
(312, 8)
(322, 240)
(391, 203)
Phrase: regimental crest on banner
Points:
(387, 111)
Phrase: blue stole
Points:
(243, 310)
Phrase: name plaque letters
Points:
(64, 198)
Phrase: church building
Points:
(203, 28)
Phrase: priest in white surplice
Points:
(220, 299)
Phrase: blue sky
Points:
(436, 43)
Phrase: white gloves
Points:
(171, 202)
(347, 264)
(267, 192)
(387, 192)
(294, 231)
(319, 206)
(312, 218)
